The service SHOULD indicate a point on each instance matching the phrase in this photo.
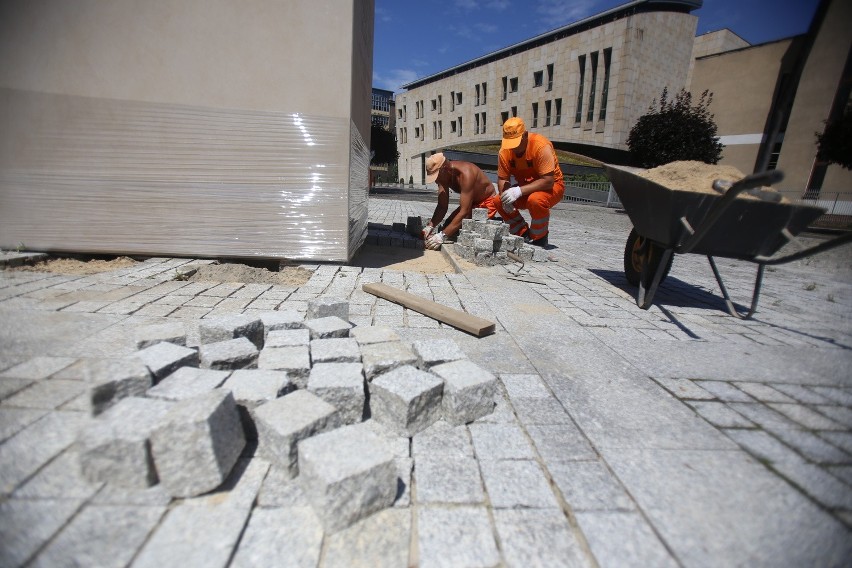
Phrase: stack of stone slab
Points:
(307, 388)
(396, 235)
(485, 242)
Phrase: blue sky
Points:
(416, 39)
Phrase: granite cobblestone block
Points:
(335, 350)
(165, 358)
(226, 327)
(110, 380)
(343, 386)
(327, 327)
(284, 422)
(187, 382)
(228, 355)
(382, 357)
(197, 443)
(287, 338)
(469, 391)
(327, 306)
(406, 399)
(346, 474)
(115, 448)
(296, 361)
(431, 352)
(171, 332)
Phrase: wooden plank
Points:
(456, 318)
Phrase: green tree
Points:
(383, 146)
(675, 131)
(834, 145)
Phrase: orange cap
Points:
(433, 166)
(513, 132)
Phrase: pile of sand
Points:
(690, 175)
(232, 272)
(73, 266)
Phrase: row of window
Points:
(542, 78)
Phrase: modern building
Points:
(382, 109)
(583, 85)
(236, 128)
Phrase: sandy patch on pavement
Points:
(74, 266)
(396, 258)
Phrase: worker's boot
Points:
(542, 242)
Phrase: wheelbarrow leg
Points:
(652, 274)
(732, 309)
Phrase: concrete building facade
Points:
(583, 85)
(228, 128)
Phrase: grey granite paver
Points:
(431, 352)
(296, 361)
(379, 541)
(187, 382)
(47, 394)
(763, 392)
(448, 479)
(468, 391)
(721, 415)
(500, 441)
(817, 483)
(29, 524)
(326, 306)
(685, 388)
(812, 446)
(326, 327)
(515, 484)
(237, 353)
(287, 337)
(165, 358)
(13, 420)
(540, 411)
(59, 479)
(171, 332)
(406, 400)
(286, 537)
(224, 328)
(442, 440)
(560, 442)
(806, 417)
(623, 539)
(457, 536)
(342, 385)
(538, 537)
(280, 490)
(382, 357)
(335, 350)
(589, 486)
(121, 530)
(524, 386)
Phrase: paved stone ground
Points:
(673, 436)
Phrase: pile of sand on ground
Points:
(228, 272)
(74, 266)
(691, 175)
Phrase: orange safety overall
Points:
(538, 160)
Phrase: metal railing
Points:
(591, 193)
(838, 209)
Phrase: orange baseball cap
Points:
(433, 166)
(513, 132)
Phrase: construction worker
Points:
(474, 188)
(531, 160)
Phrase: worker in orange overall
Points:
(531, 160)
(475, 191)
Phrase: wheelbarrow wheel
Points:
(640, 251)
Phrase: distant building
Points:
(583, 85)
(382, 109)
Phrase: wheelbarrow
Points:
(669, 221)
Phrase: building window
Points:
(578, 116)
(476, 124)
(434, 105)
(514, 111)
(504, 116)
(452, 101)
(558, 118)
(434, 130)
(547, 113)
(476, 91)
(460, 126)
(504, 81)
(590, 116)
(550, 77)
(452, 126)
(483, 122)
(484, 92)
(605, 87)
(538, 78)
(401, 136)
(439, 104)
(513, 85)
(422, 132)
(417, 132)
(458, 98)
(535, 115)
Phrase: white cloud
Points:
(498, 5)
(555, 13)
(486, 28)
(394, 79)
(383, 15)
(467, 5)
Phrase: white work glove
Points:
(427, 231)
(509, 196)
(435, 241)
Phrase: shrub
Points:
(834, 145)
(675, 131)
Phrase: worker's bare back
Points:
(469, 179)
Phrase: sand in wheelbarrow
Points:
(691, 175)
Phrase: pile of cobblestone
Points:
(487, 242)
(308, 388)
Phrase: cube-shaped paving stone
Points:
(335, 350)
(367, 334)
(381, 357)
(414, 226)
(469, 391)
(163, 359)
(232, 326)
(483, 245)
(342, 385)
(253, 387)
(197, 443)
(406, 400)
(115, 447)
(171, 332)
(295, 360)
(187, 382)
(431, 352)
(284, 319)
(539, 254)
(284, 422)
(331, 326)
(479, 214)
(231, 354)
(346, 475)
(326, 306)
(287, 338)
(111, 380)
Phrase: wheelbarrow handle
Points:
(750, 181)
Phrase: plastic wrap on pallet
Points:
(95, 175)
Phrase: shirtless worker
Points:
(474, 189)
(531, 160)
